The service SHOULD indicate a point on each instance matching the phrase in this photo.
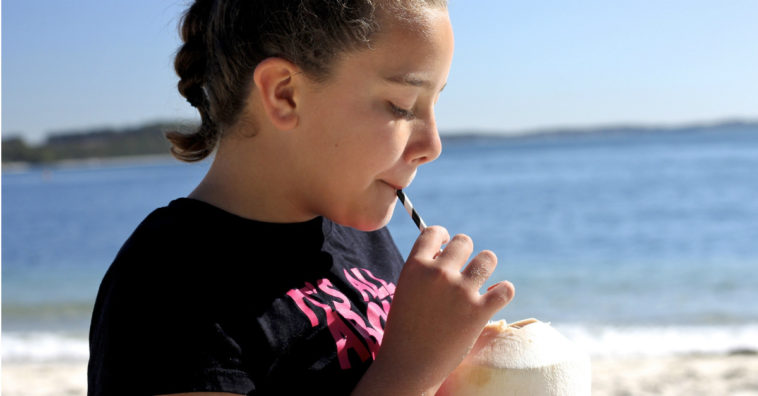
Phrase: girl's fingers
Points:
(480, 268)
(457, 252)
(428, 244)
(426, 251)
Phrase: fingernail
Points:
(503, 283)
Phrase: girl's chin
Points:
(372, 222)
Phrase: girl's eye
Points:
(401, 113)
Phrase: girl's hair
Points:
(224, 40)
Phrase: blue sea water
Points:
(629, 243)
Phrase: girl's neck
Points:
(241, 180)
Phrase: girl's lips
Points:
(396, 187)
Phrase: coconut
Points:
(526, 358)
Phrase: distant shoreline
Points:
(89, 161)
(607, 130)
(147, 143)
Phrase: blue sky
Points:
(69, 64)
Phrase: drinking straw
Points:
(411, 211)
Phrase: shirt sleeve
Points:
(155, 332)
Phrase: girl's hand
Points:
(436, 316)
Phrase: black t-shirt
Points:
(199, 299)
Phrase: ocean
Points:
(629, 243)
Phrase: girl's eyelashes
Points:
(401, 113)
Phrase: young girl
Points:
(276, 274)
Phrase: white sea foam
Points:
(598, 341)
(617, 341)
(43, 347)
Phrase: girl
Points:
(276, 274)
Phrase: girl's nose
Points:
(424, 144)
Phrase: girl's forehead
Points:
(402, 55)
(408, 54)
(420, 21)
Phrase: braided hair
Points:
(224, 40)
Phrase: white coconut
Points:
(526, 358)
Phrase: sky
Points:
(518, 66)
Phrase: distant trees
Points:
(148, 139)
(99, 143)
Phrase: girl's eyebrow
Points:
(410, 79)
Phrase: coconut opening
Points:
(522, 323)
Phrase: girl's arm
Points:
(436, 316)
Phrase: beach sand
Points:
(43, 379)
(696, 375)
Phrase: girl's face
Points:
(366, 130)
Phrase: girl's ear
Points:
(273, 78)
